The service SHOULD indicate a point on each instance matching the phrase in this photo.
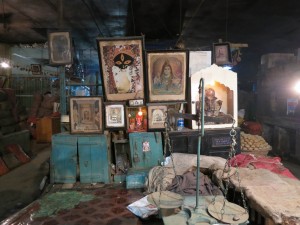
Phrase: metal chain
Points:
(168, 142)
(227, 167)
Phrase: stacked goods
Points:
(254, 143)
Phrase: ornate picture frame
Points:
(156, 117)
(166, 75)
(60, 48)
(115, 116)
(222, 54)
(121, 62)
(86, 115)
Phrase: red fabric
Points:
(269, 163)
(3, 168)
(251, 127)
(18, 152)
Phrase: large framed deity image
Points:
(166, 75)
(86, 115)
(121, 62)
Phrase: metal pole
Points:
(201, 117)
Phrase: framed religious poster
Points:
(166, 75)
(222, 54)
(121, 62)
(86, 115)
(60, 48)
(115, 116)
(156, 117)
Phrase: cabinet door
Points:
(93, 160)
(63, 160)
(145, 149)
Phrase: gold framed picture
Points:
(166, 75)
(156, 117)
(122, 62)
(86, 115)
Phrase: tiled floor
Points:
(107, 206)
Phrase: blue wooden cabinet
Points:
(63, 160)
(92, 161)
(145, 149)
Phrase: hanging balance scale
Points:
(219, 208)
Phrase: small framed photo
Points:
(221, 54)
(115, 116)
(156, 117)
(137, 119)
(166, 75)
(86, 115)
(36, 69)
(60, 48)
(122, 67)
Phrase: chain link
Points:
(227, 167)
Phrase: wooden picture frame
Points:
(156, 117)
(122, 67)
(60, 48)
(222, 54)
(36, 69)
(166, 75)
(115, 116)
(86, 115)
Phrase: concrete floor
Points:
(21, 186)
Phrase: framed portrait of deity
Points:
(222, 54)
(166, 75)
(86, 115)
(115, 115)
(157, 117)
(122, 67)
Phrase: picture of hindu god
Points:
(114, 115)
(86, 116)
(157, 116)
(167, 76)
(221, 54)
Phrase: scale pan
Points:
(233, 213)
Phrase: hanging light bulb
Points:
(4, 63)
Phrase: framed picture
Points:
(36, 69)
(222, 54)
(115, 116)
(156, 117)
(60, 48)
(137, 119)
(121, 62)
(86, 115)
(166, 75)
